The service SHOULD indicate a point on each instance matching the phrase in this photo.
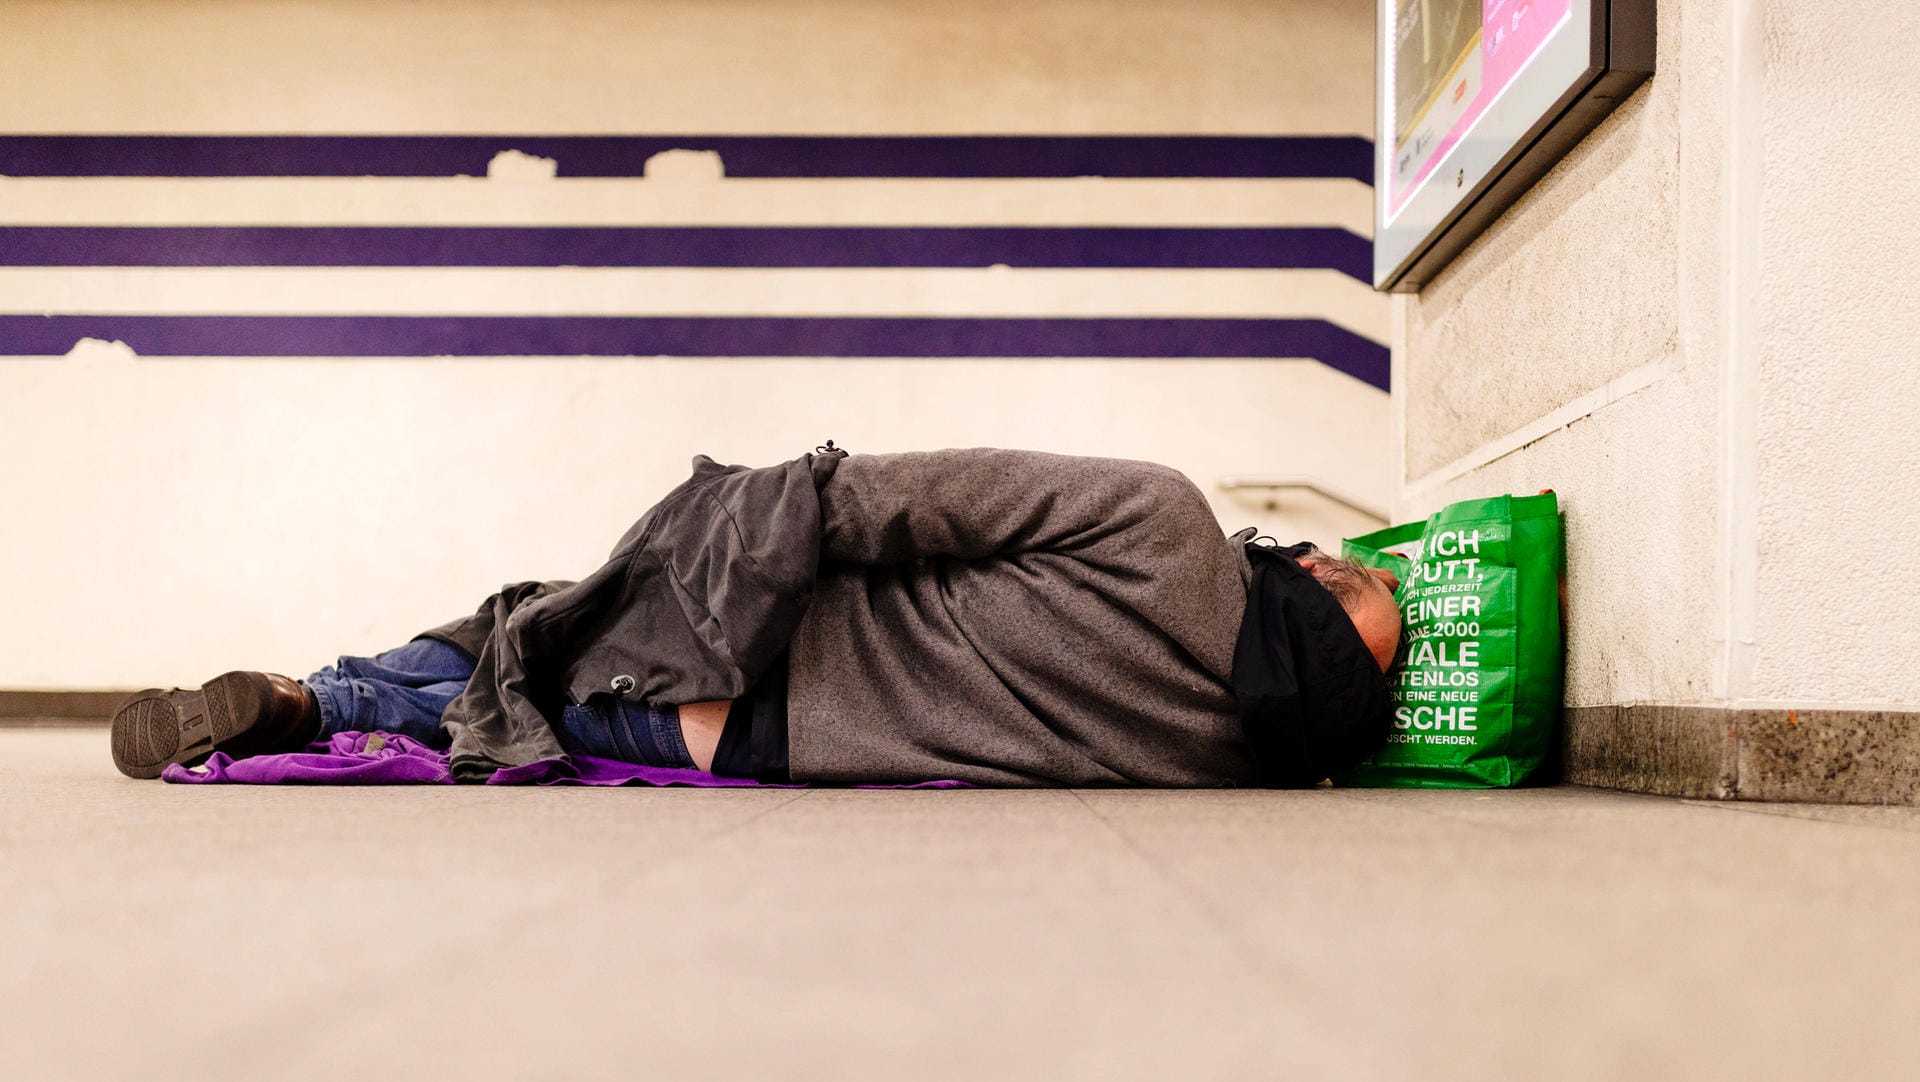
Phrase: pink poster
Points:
(1452, 60)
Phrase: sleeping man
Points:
(1004, 618)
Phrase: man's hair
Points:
(1348, 581)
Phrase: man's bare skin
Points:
(700, 726)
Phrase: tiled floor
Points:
(153, 932)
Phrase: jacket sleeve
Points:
(980, 503)
(495, 721)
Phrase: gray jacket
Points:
(1001, 617)
(1019, 618)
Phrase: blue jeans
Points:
(404, 690)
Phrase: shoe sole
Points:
(154, 729)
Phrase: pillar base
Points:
(1812, 756)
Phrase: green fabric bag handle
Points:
(1478, 700)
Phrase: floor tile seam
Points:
(1194, 898)
(1509, 833)
(368, 991)
(1250, 947)
(1476, 821)
(1751, 807)
(1281, 977)
(1406, 812)
(1705, 808)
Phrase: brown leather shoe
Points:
(240, 713)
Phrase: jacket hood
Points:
(1313, 701)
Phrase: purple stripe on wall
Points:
(491, 246)
(764, 156)
(506, 336)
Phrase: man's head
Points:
(1367, 596)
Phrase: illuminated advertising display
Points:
(1477, 98)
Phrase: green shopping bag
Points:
(1479, 696)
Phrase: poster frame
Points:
(1592, 64)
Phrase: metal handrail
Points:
(1276, 483)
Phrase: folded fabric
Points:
(390, 759)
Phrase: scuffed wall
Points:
(173, 516)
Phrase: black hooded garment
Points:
(1313, 701)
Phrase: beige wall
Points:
(169, 518)
(1838, 409)
(748, 66)
(1694, 330)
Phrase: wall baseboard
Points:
(58, 707)
(1728, 753)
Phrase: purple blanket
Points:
(390, 759)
